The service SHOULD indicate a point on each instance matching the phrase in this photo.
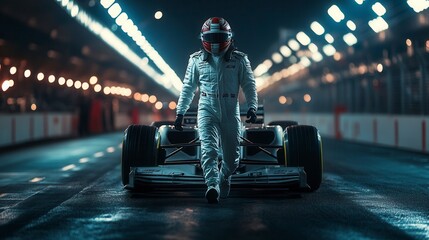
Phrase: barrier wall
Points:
(27, 127)
(407, 132)
(21, 128)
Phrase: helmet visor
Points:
(215, 37)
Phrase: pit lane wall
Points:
(21, 128)
(30, 127)
(406, 132)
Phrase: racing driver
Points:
(218, 70)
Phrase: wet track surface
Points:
(71, 189)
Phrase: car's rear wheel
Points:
(139, 148)
(283, 124)
(304, 149)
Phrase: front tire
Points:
(139, 148)
(283, 124)
(304, 149)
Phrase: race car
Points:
(281, 154)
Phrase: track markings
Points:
(110, 149)
(412, 222)
(37, 179)
(99, 154)
(84, 160)
(68, 167)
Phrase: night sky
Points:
(255, 23)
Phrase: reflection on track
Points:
(72, 189)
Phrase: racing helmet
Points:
(216, 35)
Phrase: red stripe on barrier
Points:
(13, 129)
(424, 136)
(31, 128)
(45, 125)
(374, 130)
(396, 132)
(63, 125)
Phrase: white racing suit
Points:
(218, 108)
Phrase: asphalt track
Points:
(71, 190)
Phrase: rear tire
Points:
(304, 149)
(139, 148)
(283, 124)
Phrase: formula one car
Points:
(281, 154)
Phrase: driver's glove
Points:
(178, 122)
(251, 115)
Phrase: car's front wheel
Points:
(139, 148)
(304, 149)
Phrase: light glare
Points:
(152, 99)
(27, 73)
(285, 51)
(93, 80)
(69, 83)
(106, 3)
(158, 105)
(97, 88)
(293, 44)
(121, 19)
(335, 13)
(303, 38)
(61, 81)
(12, 70)
(378, 9)
(307, 98)
(378, 24)
(317, 28)
(5, 86)
(172, 105)
(85, 86)
(158, 15)
(351, 25)
(329, 38)
(114, 10)
(418, 5)
(277, 57)
(350, 39)
(40, 76)
(329, 50)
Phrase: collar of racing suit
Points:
(227, 56)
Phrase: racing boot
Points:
(212, 194)
(225, 185)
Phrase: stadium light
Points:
(317, 57)
(317, 28)
(329, 50)
(303, 38)
(277, 57)
(359, 1)
(106, 3)
(335, 13)
(351, 25)
(379, 9)
(293, 44)
(121, 19)
(285, 51)
(378, 24)
(166, 78)
(313, 48)
(418, 5)
(114, 10)
(350, 39)
(329, 38)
